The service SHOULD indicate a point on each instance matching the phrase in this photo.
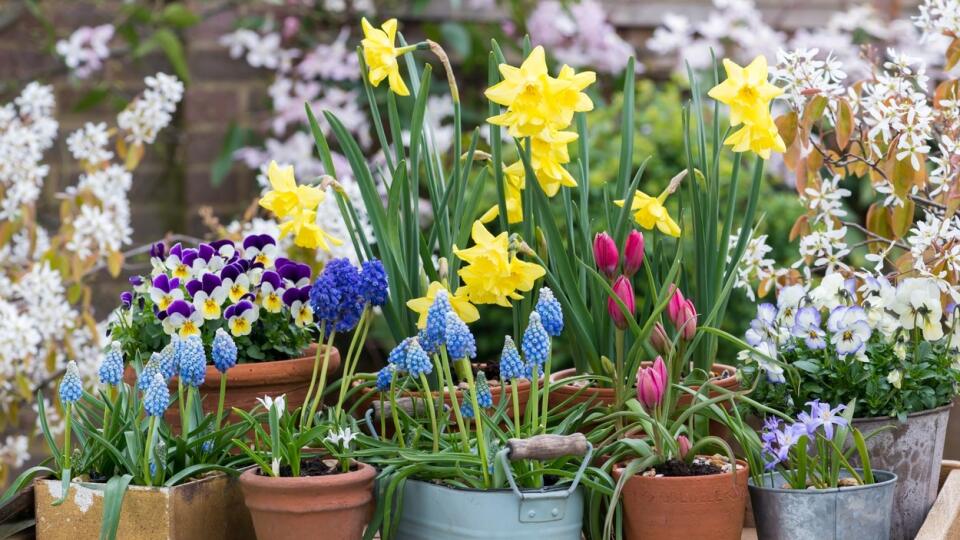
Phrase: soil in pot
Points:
(312, 467)
(332, 506)
(660, 507)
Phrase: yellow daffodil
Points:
(381, 56)
(747, 92)
(297, 206)
(761, 138)
(547, 157)
(461, 305)
(493, 275)
(514, 184)
(570, 98)
(649, 212)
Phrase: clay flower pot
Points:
(681, 507)
(334, 506)
(604, 396)
(248, 381)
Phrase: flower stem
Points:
(516, 408)
(428, 396)
(353, 357)
(452, 391)
(323, 379)
(383, 419)
(546, 392)
(481, 443)
(147, 448)
(313, 376)
(67, 409)
(534, 402)
(181, 406)
(223, 394)
(393, 412)
(619, 385)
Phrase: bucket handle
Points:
(407, 404)
(543, 447)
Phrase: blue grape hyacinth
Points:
(484, 396)
(223, 351)
(170, 357)
(111, 367)
(536, 341)
(417, 361)
(551, 313)
(511, 366)
(466, 409)
(398, 356)
(373, 282)
(71, 388)
(385, 377)
(193, 362)
(157, 398)
(460, 341)
(153, 366)
(436, 329)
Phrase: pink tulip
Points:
(605, 254)
(687, 322)
(684, 443)
(633, 253)
(659, 340)
(661, 368)
(650, 384)
(675, 305)
(624, 291)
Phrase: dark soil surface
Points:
(490, 369)
(675, 467)
(313, 467)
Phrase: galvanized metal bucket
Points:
(823, 514)
(436, 512)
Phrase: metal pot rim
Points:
(936, 410)
(551, 489)
(891, 479)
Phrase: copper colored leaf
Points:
(813, 111)
(114, 263)
(801, 227)
(134, 155)
(945, 90)
(787, 126)
(953, 54)
(901, 218)
(878, 221)
(844, 123)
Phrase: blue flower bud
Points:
(466, 409)
(536, 341)
(207, 446)
(111, 367)
(193, 362)
(373, 282)
(460, 342)
(71, 388)
(153, 367)
(398, 356)
(484, 396)
(417, 360)
(385, 377)
(511, 366)
(170, 357)
(157, 398)
(224, 351)
(436, 329)
(551, 313)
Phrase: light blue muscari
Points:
(223, 351)
(111, 367)
(551, 313)
(536, 341)
(157, 398)
(460, 341)
(71, 388)
(193, 362)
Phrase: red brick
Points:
(203, 105)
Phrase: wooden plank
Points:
(943, 521)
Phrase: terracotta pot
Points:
(678, 508)
(334, 507)
(604, 396)
(246, 382)
(206, 508)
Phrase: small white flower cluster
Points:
(939, 17)
(826, 201)
(579, 34)
(86, 49)
(89, 143)
(152, 110)
(802, 75)
(825, 247)
(754, 266)
(27, 130)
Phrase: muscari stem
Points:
(180, 405)
(313, 376)
(452, 392)
(432, 411)
(481, 444)
(516, 408)
(393, 412)
(147, 447)
(223, 394)
(67, 409)
(545, 405)
(353, 357)
(323, 379)
(534, 403)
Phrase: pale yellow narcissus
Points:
(297, 206)
(547, 157)
(458, 302)
(380, 55)
(493, 275)
(748, 93)
(760, 139)
(514, 175)
(649, 212)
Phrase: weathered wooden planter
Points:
(209, 508)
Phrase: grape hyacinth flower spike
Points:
(436, 330)
(511, 366)
(223, 351)
(460, 341)
(536, 342)
(551, 313)
(111, 367)
(157, 396)
(71, 388)
(193, 362)
(152, 367)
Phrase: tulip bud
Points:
(687, 321)
(650, 386)
(624, 291)
(633, 253)
(659, 340)
(605, 254)
(661, 368)
(684, 443)
(675, 305)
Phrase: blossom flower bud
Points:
(153, 366)
(435, 330)
(684, 443)
(633, 253)
(624, 291)
(460, 342)
(484, 396)
(126, 298)
(224, 351)
(111, 367)
(605, 254)
(71, 389)
(373, 282)
(651, 384)
(157, 397)
(687, 322)
(417, 362)
(193, 362)
(675, 305)
(659, 340)
(511, 366)
(536, 341)
(385, 377)
(551, 313)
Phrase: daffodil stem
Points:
(353, 357)
(323, 379)
(452, 391)
(431, 410)
(223, 394)
(441, 55)
(313, 377)
(477, 411)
